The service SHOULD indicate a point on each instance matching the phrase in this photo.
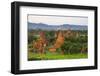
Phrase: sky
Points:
(58, 20)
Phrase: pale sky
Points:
(58, 20)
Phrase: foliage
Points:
(72, 46)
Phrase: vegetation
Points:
(50, 56)
(50, 45)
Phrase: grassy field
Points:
(55, 56)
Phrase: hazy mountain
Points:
(43, 26)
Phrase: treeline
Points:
(72, 45)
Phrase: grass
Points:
(55, 56)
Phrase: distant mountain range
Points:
(42, 26)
